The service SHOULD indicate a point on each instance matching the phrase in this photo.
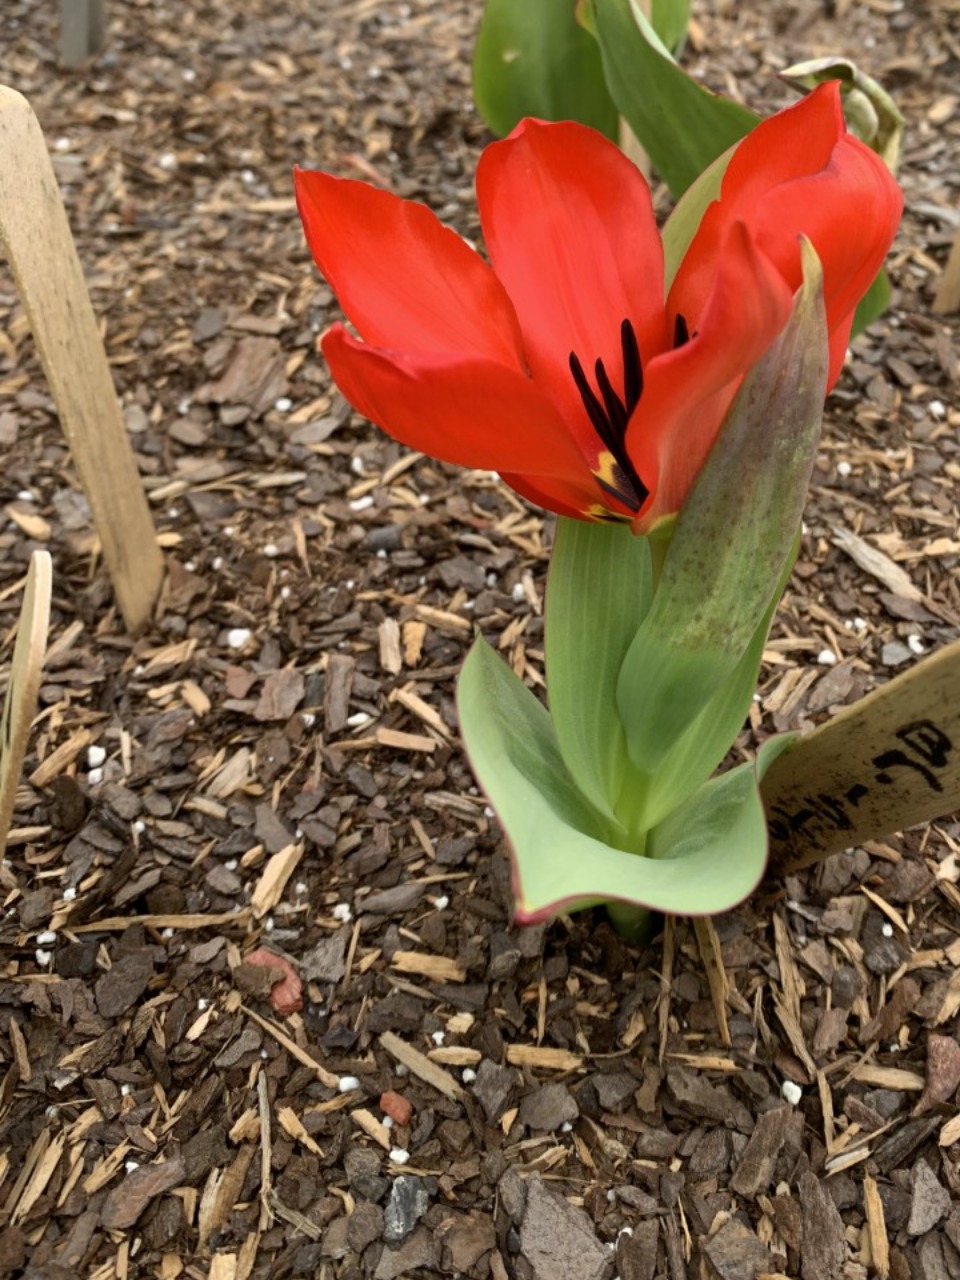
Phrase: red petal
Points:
(687, 392)
(570, 230)
(579, 498)
(402, 278)
(467, 410)
(800, 173)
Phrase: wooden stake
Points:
(36, 238)
(82, 27)
(20, 703)
(948, 290)
(888, 762)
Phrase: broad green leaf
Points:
(732, 540)
(873, 303)
(532, 58)
(682, 126)
(561, 859)
(497, 709)
(717, 840)
(598, 590)
(706, 742)
(669, 19)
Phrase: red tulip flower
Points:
(562, 365)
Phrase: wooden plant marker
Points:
(889, 761)
(36, 238)
(948, 290)
(82, 26)
(20, 703)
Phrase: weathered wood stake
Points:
(36, 237)
(82, 27)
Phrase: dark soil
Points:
(275, 764)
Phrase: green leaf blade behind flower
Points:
(561, 858)
(681, 125)
(873, 303)
(599, 588)
(733, 537)
(669, 19)
(532, 58)
(687, 214)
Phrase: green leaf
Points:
(687, 214)
(682, 126)
(732, 540)
(532, 58)
(598, 590)
(562, 860)
(717, 842)
(670, 18)
(873, 303)
(703, 746)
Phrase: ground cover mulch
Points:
(267, 785)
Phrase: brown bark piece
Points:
(736, 1253)
(824, 1250)
(125, 1203)
(558, 1239)
(754, 1172)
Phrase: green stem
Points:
(634, 923)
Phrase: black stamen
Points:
(632, 368)
(681, 334)
(616, 409)
(611, 417)
(590, 402)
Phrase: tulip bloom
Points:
(563, 365)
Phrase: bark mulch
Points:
(267, 786)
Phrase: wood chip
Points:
(666, 983)
(266, 1143)
(223, 1266)
(426, 965)
(372, 1127)
(455, 1055)
(414, 633)
(887, 1077)
(876, 1228)
(890, 912)
(421, 1066)
(323, 1075)
(114, 924)
(292, 1125)
(43, 1171)
(234, 775)
(788, 1006)
(443, 620)
(544, 1059)
(295, 1219)
(406, 741)
(422, 710)
(391, 658)
(61, 759)
(273, 879)
(877, 564)
(712, 958)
